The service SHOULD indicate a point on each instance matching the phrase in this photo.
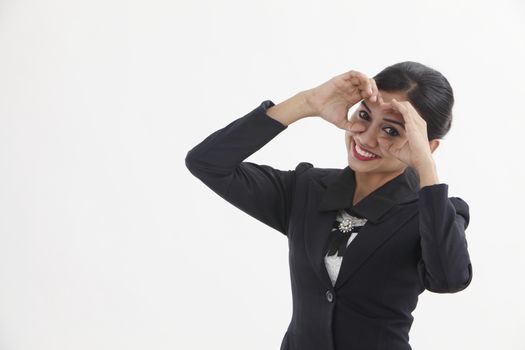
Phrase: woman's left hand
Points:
(415, 151)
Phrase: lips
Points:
(361, 157)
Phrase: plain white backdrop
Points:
(108, 242)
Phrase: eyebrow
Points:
(387, 119)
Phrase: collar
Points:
(340, 190)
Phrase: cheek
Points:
(398, 141)
(348, 140)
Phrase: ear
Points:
(434, 144)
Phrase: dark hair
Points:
(427, 90)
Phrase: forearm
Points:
(292, 109)
(222, 151)
(445, 266)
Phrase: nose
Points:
(368, 139)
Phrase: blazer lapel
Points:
(334, 192)
(370, 238)
(317, 227)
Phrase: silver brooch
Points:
(347, 221)
(345, 225)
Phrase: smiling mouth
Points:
(362, 154)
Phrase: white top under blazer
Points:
(333, 262)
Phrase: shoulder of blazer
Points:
(314, 173)
(321, 176)
(303, 166)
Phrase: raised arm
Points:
(261, 191)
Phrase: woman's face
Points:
(373, 121)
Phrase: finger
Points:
(416, 117)
(407, 111)
(355, 81)
(366, 85)
(345, 76)
(375, 90)
(405, 143)
(385, 146)
(380, 96)
(395, 151)
(364, 94)
(395, 104)
(366, 90)
(350, 75)
(386, 107)
(346, 125)
(363, 81)
(355, 127)
(398, 107)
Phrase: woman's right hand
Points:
(333, 99)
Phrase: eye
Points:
(393, 132)
(361, 113)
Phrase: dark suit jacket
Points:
(414, 238)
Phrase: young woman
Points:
(366, 240)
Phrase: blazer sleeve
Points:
(445, 265)
(261, 191)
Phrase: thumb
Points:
(346, 125)
(385, 146)
(355, 127)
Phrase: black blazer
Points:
(414, 238)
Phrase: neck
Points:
(366, 183)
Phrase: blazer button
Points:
(329, 296)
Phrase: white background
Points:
(108, 242)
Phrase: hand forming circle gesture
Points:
(333, 99)
(415, 151)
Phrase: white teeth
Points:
(363, 152)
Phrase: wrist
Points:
(308, 108)
(424, 163)
(427, 174)
(292, 109)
